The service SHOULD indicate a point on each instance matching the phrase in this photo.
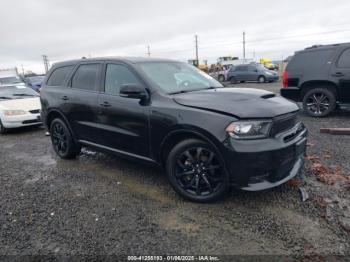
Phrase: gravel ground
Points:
(100, 204)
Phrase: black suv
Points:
(319, 76)
(170, 113)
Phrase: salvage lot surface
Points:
(100, 204)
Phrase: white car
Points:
(19, 106)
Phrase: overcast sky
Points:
(67, 29)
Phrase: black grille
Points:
(283, 123)
(37, 111)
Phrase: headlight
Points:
(14, 112)
(249, 129)
(269, 73)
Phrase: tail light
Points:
(285, 79)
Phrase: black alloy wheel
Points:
(197, 172)
(319, 102)
(62, 140)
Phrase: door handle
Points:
(338, 74)
(64, 98)
(105, 104)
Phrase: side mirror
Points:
(134, 91)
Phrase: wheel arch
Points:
(176, 136)
(306, 86)
(55, 113)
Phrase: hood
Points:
(19, 85)
(239, 102)
(25, 104)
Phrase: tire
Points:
(196, 171)
(261, 79)
(233, 80)
(221, 78)
(3, 130)
(319, 102)
(62, 140)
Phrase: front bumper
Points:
(292, 93)
(21, 120)
(262, 164)
(272, 78)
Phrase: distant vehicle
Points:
(221, 75)
(251, 72)
(19, 106)
(267, 62)
(34, 82)
(227, 60)
(10, 77)
(319, 76)
(172, 114)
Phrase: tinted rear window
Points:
(58, 76)
(344, 59)
(86, 77)
(310, 60)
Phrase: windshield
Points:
(176, 77)
(13, 92)
(36, 79)
(10, 80)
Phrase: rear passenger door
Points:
(82, 100)
(242, 73)
(124, 122)
(340, 74)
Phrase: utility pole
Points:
(22, 70)
(149, 51)
(244, 46)
(46, 63)
(196, 41)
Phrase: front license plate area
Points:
(300, 147)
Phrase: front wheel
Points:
(196, 171)
(62, 140)
(261, 79)
(319, 102)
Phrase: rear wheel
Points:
(196, 171)
(221, 78)
(261, 79)
(319, 102)
(3, 130)
(62, 140)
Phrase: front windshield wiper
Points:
(23, 95)
(5, 97)
(192, 90)
(180, 92)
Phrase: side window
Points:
(86, 77)
(116, 76)
(242, 68)
(344, 60)
(58, 76)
